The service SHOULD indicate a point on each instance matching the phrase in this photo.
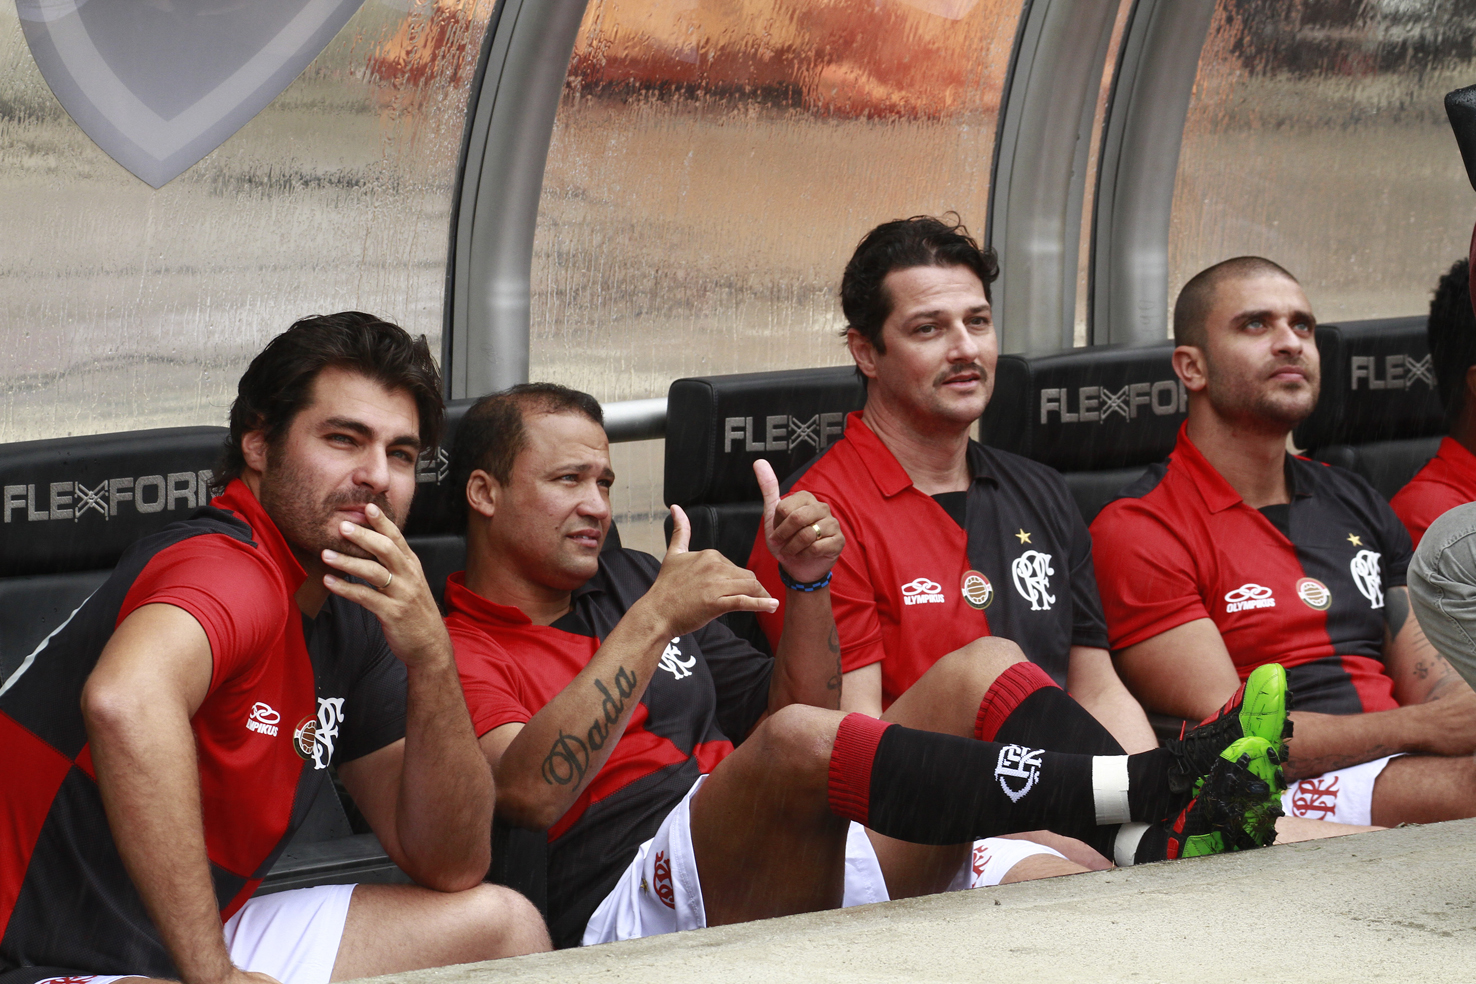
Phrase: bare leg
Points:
(765, 839)
(1291, 830)
(395, 928)
(1425, 789)
(946, 699)
(1040, 866)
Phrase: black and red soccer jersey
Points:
(1447, 480)
(920, 577)
(1302, 585)
(708, 691)
(288, 697)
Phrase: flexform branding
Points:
(781, 432)
(1095, 404)
(1390, 372)
(40, 502)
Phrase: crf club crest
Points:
(160, 85)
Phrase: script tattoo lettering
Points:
(568, 760)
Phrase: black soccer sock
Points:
(930, 788)
(1025, 707)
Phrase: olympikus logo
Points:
(263, 720)
(1400, 372)
(782, 432)
(1096, 403)
(922, 592)
(1248, 597)
(73, 500)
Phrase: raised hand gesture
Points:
(800, 532)
(695, 588)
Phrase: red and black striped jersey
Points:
(288, 696)
(1302, 584)
(707, 692)
(1447, 480)
(921, 575)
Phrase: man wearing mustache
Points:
(1235, 553)
(948, 540)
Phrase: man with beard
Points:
(1235, 553)
(165, 743)
(949, 540)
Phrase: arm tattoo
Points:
(833, 644)
(568, 760)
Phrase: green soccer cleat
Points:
(1258, 709)
(1236, 804)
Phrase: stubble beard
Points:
(301, 523)
(1237, 399)
(950, 409)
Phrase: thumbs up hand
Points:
(799, 530)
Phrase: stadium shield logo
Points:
(1314, 593)
(159, 86)
(977, 590)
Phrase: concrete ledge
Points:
(1396, 905)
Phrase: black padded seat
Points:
(1386, 465)
(1092, 490)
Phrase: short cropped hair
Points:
(899, 245)
(493, 433)
(1452, 333)
(1197, 299)
(279, 381)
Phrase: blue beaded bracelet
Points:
(794, 585)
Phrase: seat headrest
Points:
(436, 510)
(716, 426)
(76, 503)
(1088, 409)
(1380, 375)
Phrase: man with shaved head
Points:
(1235, 553)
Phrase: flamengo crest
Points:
(158, 86)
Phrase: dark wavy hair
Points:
(279, 381)
(1452, 333)
(922, 240)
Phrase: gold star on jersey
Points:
(1022, 536)
(1355, 539)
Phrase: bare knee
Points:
(514, 925)
(976, 666)
(795, 742)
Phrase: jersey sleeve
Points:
(1088, 624)
(1148, 583)
(235, 594)
(374, 713)
(1420, 503)
(740, 675)
(1395, 539)
(493, 695)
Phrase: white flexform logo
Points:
(673, 663)
(1247, 597)
(922, 592)
(1018, 762)
(1032, 572)
(263, 719)
(1367, 576)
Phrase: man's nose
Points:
(595, 504)
(1288, 340)
(374, 469)
(966, 345)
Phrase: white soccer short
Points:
(1343, 796)
(292, 936)
(660, 892)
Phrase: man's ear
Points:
(482, 491)
(1189, 365)
(862, 351)
(254, 450)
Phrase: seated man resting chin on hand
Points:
(1235, 553)
(609, 702)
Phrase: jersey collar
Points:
(1453, 453)
(463, 600)
(887, 472)
(239, 499)
(1219, 494)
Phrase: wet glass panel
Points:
(127, 307)
(713, 164)
(1317, 138)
